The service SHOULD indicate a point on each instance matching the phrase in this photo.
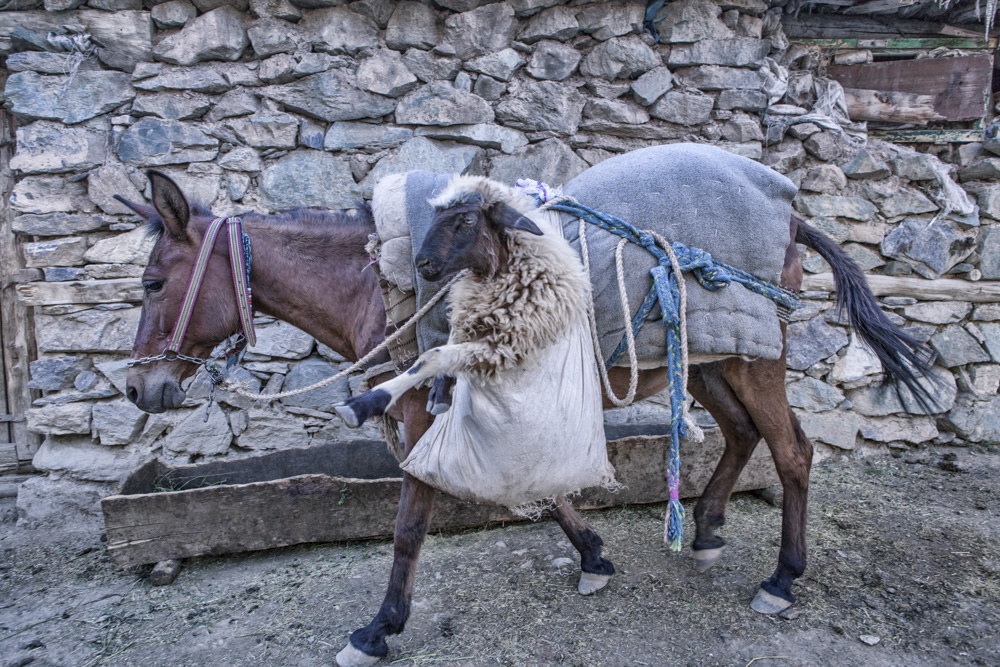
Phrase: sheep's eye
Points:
(470, 219)
(152, 285)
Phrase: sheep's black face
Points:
(458, 239)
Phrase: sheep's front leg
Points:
(444, 360)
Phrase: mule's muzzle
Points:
(156, 398)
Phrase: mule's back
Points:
(736, 209)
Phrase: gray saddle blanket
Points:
(732, 207)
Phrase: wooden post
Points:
(17, 331)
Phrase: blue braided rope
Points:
(665, 292)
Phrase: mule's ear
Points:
(145, 211)
(510, 217)
(169, 202)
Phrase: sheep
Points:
(523, 289)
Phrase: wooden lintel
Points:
(114, 290)
(892, 106)
(928, 136)
(941, 289)
(895, 44)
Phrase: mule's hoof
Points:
(347, 414)
(591, 583)
(352, 657)
(704, 559)
(768, 603)
(440, 408)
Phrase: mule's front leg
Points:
(595, 571)
(439, 400)
(416, 502)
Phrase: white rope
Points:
(241, 391)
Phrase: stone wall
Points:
(270, 105)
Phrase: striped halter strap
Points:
(240, 259)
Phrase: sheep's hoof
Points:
(352, 657)
(591, 583)
(439, 408)
(769, 603)
(704, 559)
(350, 418)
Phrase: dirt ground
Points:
(904, 551)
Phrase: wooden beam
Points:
(8, 458)
(17, 326)
(887, 105)
(895, 44)
(880, 6)
(928, 136)
(941, 289)
(113, 290)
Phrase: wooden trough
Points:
(350, 490)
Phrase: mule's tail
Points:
(904, 359)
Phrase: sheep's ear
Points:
(509, 217)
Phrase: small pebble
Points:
(790, 614)
(871, 640)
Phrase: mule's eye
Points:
(470, 219)
(152, 285)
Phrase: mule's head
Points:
(156, 386)
(468, 228)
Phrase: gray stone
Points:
(649, 87)
(875, 400)
(938, 312)
(47, 148)
(330, 96)
(242, 158)
(311, 134)
(853, 208)
(280, 339)
(714, 77)
(607, 90)
(984, 380)
(237, 185)
(747, 100)
(86, 381)
(118, 422)
(218, 35)
(986, 313)
(482, 30)
(173, 14)
(620, 58)
(826, 146)
(55, 373)
(55, 252)
(976, 421)
(210, 79)
(49, 194)
(811, 342)
(489, 88)
(282, 9)
(813, 395)
(541, 105)
(309, 372)
(801, 91)
(308, 179)
(826, 178)
(200, 182)
(171, 106)
(49, 63)
(314, 63)
(68, 419)
(80, 458)
(442, 104)
(683, 108)
(523, 8)
(732, 52)
(278, 69)
(691, 21)
(386, 74)
(991, 338)
(270, 36)
(428, 66)
(196, 437)
(44, 502)
(956, 347)
(988, 199)
(129, 248)
(59, 224)
(894, 429)
(343, 135)
(864, 166)
(270, 429)
(558, 23)
(742, 128)
(423, 153)
(867, 259)
(990, 251)
(69, 99)
(905, 202)
(233, 103)
(153, 142)
(931, 249)
(486, 135)
(915, 167)
(611, 19)
(338, 30)
(837, 428)
(616, 111)
(752, 149)
(208, 5)
(412, 24)
(550, 161)
(499, 64)
(553, 60)
(858, 362)
(116, 372)
(379, 11)
(266, 129)
(984, 170)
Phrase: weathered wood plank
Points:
(928, 136)
(890, 106)
(896, 44)
(879, 6)
(17, 327)
(941, 289)
(211, 516)
(128, 32)
(112, 290)
(8, 458)
(958, 85)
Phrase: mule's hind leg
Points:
(760, 386)
(707, 384)
(595, 571)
